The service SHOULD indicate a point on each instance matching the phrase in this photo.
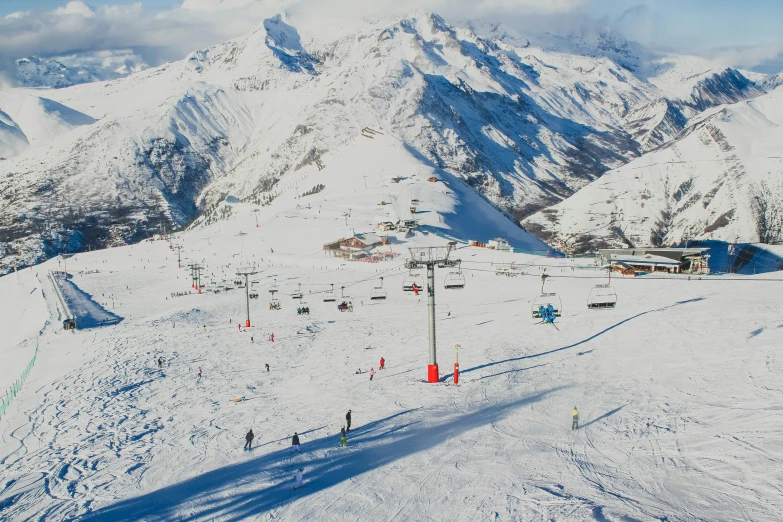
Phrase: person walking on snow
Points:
(299, 479)
(295, 443)
(343, 440)
(249, 439)
(160, 362)
(348, 420)
(383, 361)
(575, 419)
(372, 373)
(267, 367)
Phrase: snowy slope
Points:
(40, 119)
(721, 179)
(679, 422)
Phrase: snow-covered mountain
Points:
(722, 178)
(524, 122)
(66, 71)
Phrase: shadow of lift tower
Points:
(429, 258)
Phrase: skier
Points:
(343, 440)
(251, 338)
(272, 337)
(299, 480)
(348, 420)
(199, 373)
(249, 439)
(267, 367)
(575, 419)
(372, 373)
(415, 289)
(160, 362)
(383, 361)
(239, 327)
(295, 443)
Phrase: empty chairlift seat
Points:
(454, 280)
(378, 293)
(602, 297)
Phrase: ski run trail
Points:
(679, 388)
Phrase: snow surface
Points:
(681, 416)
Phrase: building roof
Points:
(648, 259)
(369, 238)
(676, 254)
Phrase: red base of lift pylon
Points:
(432, 373)
(247, 323)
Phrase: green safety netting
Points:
(17, 385)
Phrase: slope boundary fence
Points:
(16, 387)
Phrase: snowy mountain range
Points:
(527, 122)
(66, 71)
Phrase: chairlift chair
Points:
(298, 293)
(454, 280)
(378, 293)
(274, 304)
(411, 279)
(602, 297)
(273, 289)
(545, 300)
(303, 308)
(346, 304)
(330, 297)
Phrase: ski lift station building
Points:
(499, 244)
(354, 247)
(670, 260)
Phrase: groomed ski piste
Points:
(679, 388)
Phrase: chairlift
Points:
(413, 278)
(546, 299)
(273, 289)
(274, 304)
(378, 293)
(346, 304)
(303, 308)
(454, 280)
(330, 297)
(298, 293)
(602, 297)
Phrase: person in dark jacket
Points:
(295, 443)
(348, 420)
(249, 439)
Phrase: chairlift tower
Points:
(431, 257)
(195, 274)
(178, 248)
(247, 271)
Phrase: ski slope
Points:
(681, 415)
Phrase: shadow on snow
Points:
(377, 444)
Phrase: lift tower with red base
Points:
(429, 258)
(247, 271)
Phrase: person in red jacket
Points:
(383, 361)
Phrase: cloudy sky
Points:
(744, 33)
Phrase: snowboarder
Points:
(160, 362)
(295, 443)
(372, 373)
(267, 367)
(575, 419)
(249, 439)
(343, 440)
(348, 420)
(299, 480)
(383, 361)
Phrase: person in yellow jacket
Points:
(575, 419)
